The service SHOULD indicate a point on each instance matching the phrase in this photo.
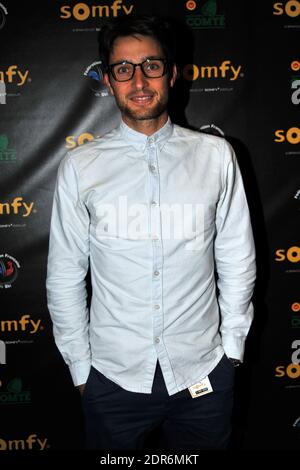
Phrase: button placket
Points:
(155, 234)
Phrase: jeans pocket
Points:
(223, 375)
(83, 394)
(228, 361)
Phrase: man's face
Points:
(140, 98)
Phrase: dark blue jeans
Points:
(118, 419)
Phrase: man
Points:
(156, 210)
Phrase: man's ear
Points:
(173, 76)
(106, 82)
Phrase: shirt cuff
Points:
(80, 371)
(234, 347)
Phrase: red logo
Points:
(295, 307)
(191, 5)
(295, 65)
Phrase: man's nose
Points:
(139, 79)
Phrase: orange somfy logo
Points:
(73, 141)
(292, 135)
(14, 75)
(226, 69)
(292, 254)
(32, 442)
(82, 11)
(291, 8)
(17, 206)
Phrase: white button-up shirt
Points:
(155, 217)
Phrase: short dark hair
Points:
(158, 28)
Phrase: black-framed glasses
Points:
(151, 68)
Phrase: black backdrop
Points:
(240, 71)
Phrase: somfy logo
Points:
(32, 442)
(292, 135)
(72, 141)
(192, 72)
(292, 254)
(14, 75)
(291, 8)
(25, 323)
(82, 11)
(18, 207)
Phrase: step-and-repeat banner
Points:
(239, 65)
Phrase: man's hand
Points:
(81, 388)
(235, 362)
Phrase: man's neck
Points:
(147, 126)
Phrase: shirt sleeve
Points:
(235, 258)
(68, 261)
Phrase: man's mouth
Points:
(142, 99)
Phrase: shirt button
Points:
(156, 273)
(157, 340)
(155, 237)
(152, 168)
(154, 203)
(156, 307)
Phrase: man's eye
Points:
(153, 66)
(123, 69)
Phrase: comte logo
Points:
(82, 11)
(7, 154)
(204, 15)
(14, 393)
(295, 317)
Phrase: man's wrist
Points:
(81, 388)
(235, 362)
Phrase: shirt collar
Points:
(140, 140)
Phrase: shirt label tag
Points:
(201, 388)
